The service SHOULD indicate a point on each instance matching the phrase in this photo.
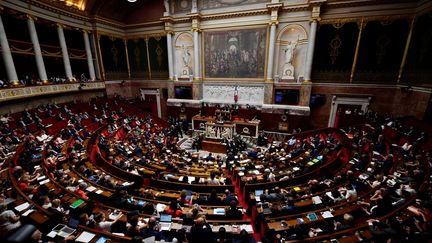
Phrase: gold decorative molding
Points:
(33, 91)
(382, 18)
(273, 22)
(274, 6)
(29, 16)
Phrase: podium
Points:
(226, 129)
(219, 131)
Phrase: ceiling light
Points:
(132, 1)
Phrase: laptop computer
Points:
(66, 230)
(165, 221)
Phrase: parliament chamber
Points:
(235, 121)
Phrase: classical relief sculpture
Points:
(167, 8)
(186, 59)
(288, 69)
(194, 6)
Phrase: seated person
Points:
(9, 221)
(232, 212)
(151, 229)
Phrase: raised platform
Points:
(214, 146)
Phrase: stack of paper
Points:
(22, 207)
(316, 200)
(327, 214)
(90, 188)
(85, 237)
(247, 227)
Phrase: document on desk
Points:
(327, 214)
(90, 188)
(247, 227)
(160, 207)
(219, 211)
(316, 200)
(26, 213)
(85, 237)
(44, 181)
(99, 191)
(22, 207)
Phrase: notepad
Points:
(246, 227)
(22, 207)
(327, 214)
(316, 200)
(90, 188)
(26, 213)
(85, 237)
(44, 181)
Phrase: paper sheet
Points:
(316, 200)
(85, 237)
(22, 207)
(327, 214)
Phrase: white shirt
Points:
(105, 225)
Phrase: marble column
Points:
(89, 56)
(7, 56)
(271, 51)
(95, 51)
(196, 54)
(37, 50)
(170, 56)
(65, 53)
(310, 51)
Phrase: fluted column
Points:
(65, 53)
(271, 51)
(95, 51)
(37, 50)
(310, 51)
(170, 56)
(196, 54)
(7, 56)
(89, 56)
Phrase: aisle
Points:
(244, 204)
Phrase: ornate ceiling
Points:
(151, 10)
(118, 10)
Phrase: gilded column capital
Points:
(196, 29)
(29, 16)
(169, 32)
(62, 26)
(315, 19)
(273, 22)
